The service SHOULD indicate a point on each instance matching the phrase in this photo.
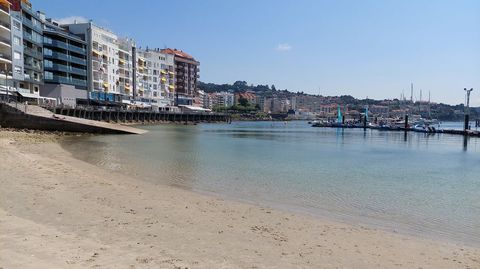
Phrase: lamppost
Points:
(467, 109)
(5, 71)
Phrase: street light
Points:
(5, 71)
(467, 108)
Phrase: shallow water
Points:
(416, 183)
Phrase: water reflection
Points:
(391, 179)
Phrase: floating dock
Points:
(16, 115)
(384, 128)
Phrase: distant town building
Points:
(248, 95)
(219, 99)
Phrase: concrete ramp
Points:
(16, 115)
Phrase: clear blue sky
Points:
(363, 48)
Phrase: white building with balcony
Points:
(5, 47)
(109, 60)
(155, 77)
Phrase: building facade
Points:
(32, 28)
(65, 57)
(187, 73)
(26, 36)
(109, 63)
(5, 46)
(156, 77)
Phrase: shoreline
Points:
(60, 212)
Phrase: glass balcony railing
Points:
(78, 60)
(29, 37)
(57, 44)
(65, 57)
(67, 80)
(78, 71)
(32, 52)
(76, 49)
(67, 69)
(37, 26)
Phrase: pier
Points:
(364, 125)
(142, 116)
(22, 116)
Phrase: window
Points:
(16, 25)
(48, 52)
(48, 75)
(48, 63)
(17, 55)
(16, 40)
(18, 70)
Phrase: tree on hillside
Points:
(243, 102)
(273, 88)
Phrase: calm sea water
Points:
(415, 183)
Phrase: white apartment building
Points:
(155, 77)
(109, 60)
(5, 45)
(219, 99)
(125, 67)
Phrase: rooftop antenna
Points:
(429, 97)
(420, 95)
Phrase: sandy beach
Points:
(58, 212)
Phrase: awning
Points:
(171, 86)
(195, 108)
(29, 95)
(96, 52)
(163, 72)
(121, 61)
(106, 85)
(164, 79)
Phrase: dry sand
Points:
(58, 212)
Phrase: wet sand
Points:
(58, 212)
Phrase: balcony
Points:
(56, 44)
(78, 71)
(37, 27)
(6, 25)
(32, 66)
(76, 49)
(5, 41)
(65, 57)
(57, 55)
(33, 53)
(4, 58)
(67, 69)
(67, 80)
(77, 60)
(4, 9)
(28, 37)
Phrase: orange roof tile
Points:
(178, 53)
